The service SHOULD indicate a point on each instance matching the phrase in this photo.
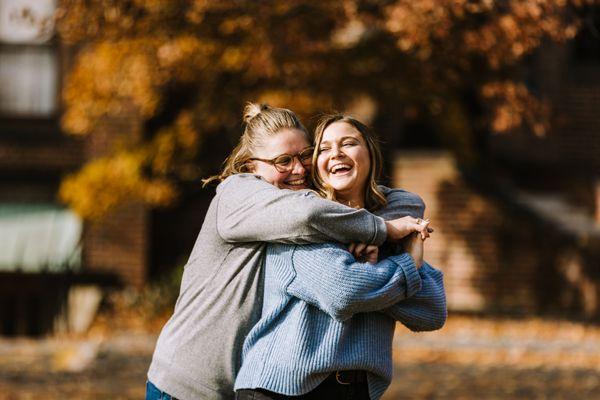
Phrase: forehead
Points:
(285, 141)
(340, 130)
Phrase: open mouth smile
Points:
(340, 169)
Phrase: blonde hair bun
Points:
(251, 110)
(261, 122)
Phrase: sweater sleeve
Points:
(327, 276)
(426, 309)
(250, 209)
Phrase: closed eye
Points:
(284, 160)
(307, 154)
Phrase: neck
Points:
(351, 201)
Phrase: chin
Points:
(341, 187)
(295, 187)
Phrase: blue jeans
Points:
(154, 393)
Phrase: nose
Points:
(298, 168)
(336, 151)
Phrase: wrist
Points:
(416, 260)
(391, 231)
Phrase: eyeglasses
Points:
(285, 162)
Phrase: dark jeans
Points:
(329, 389)
(154, 393)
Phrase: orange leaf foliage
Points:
(189, 66)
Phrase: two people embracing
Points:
(301, 270)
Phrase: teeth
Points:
(296, 182)
(337, 167)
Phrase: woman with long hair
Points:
(328, 320)
(258, 201)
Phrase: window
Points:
(29, 66)
(39, 237)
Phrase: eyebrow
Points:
(341, 139)
(301, 151)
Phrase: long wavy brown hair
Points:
(374, 198)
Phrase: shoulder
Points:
(401, 203)
(241, 179)
(402, 195)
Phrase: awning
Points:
(39, 237)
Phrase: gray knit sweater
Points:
(198, 351)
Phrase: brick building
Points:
(49, 256)
(522, 235)
(51, 261)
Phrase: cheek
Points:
(364, 162)
(278, 178)
(367, 165)
(322, 167)
(268, 174)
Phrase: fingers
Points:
(401, 227)
(357, 250)
(424, 228)
(364, 252)
(360, 248)
(371, 254)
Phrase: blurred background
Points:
(112, 111)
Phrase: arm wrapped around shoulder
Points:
(252, 210)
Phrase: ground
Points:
(470, 358)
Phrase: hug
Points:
(301, 270)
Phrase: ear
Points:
(249, 166)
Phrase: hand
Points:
(401, 227)
(413, 245)
(364, 252)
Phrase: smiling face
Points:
(286, 141)
(344, 163)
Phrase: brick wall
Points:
(119, 242)
(497, 255)
(43, 156)
(481, 248)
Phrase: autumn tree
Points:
(186, 68)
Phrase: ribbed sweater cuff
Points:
(411, 273)
(380, 231)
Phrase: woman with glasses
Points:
(328, 320)
(198, 352)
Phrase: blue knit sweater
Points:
(319, 315)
